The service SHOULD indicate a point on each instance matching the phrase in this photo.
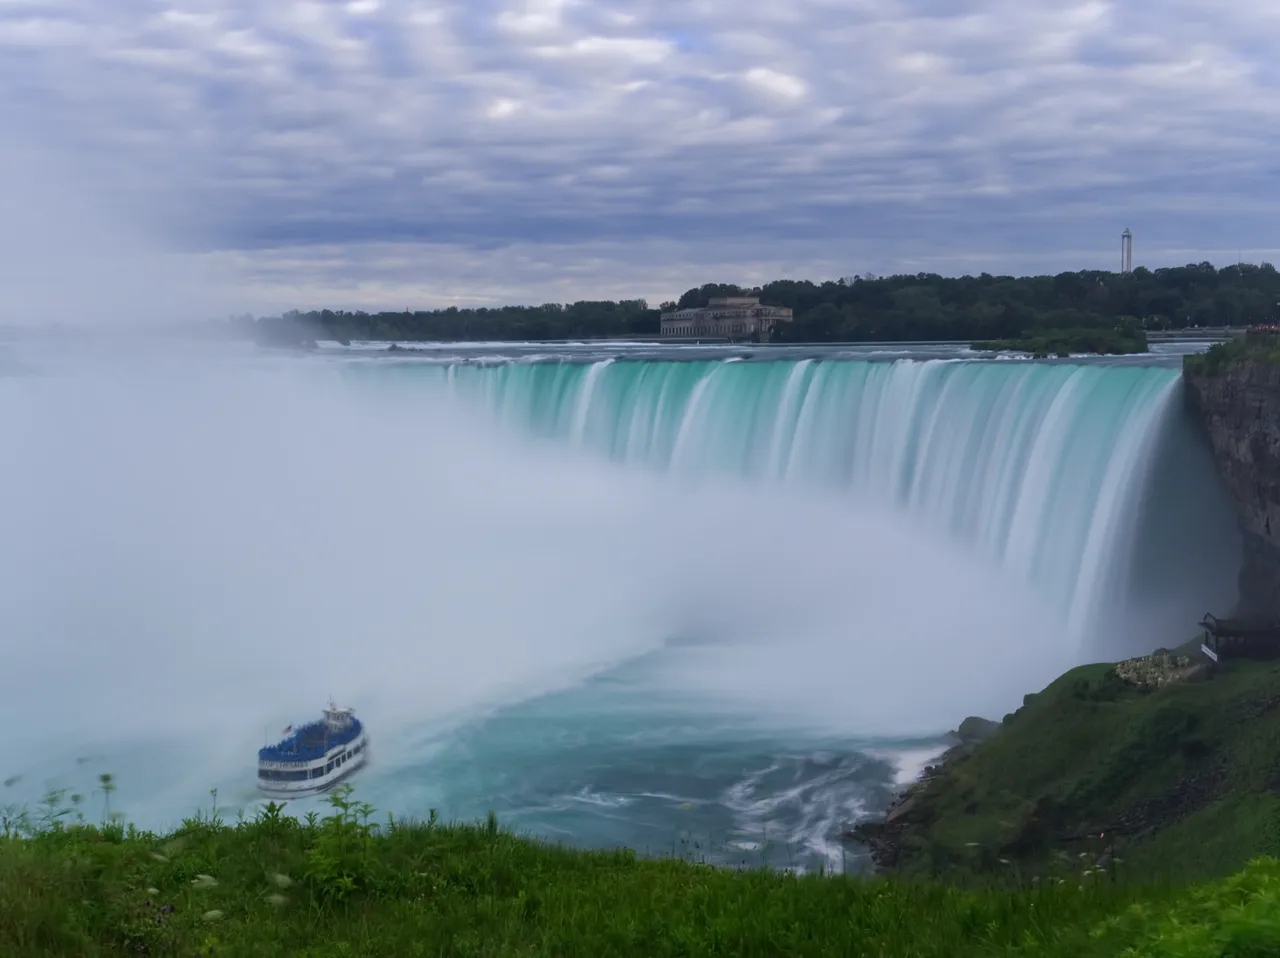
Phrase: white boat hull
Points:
(283, 788)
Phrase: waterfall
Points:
(1039, 468)
(718, 595)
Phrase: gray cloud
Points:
(685, 140)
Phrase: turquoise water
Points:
(714, 607)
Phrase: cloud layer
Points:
(380, 149)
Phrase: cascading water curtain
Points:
(1032, 465)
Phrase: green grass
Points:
(1158, 769)
(344, 886)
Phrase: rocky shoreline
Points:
(1238, 405)
(883, 839)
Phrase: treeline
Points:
(551, 321)
(931, 307)
(922, 306)
(1125, 338)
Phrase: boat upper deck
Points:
(311, 741)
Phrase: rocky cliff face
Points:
(1239, 404)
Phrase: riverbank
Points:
(1234, 390)
(346, 885)
(883, 839)
(1041, 344)
(1153, 762)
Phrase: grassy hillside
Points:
(341, 886)
(1181, 781)
(1261, 347)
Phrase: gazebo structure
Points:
(1239, 638)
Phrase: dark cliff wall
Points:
(1239, 405)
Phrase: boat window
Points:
(277, 775)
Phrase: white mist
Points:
(197, 550)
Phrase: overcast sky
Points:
(423, 152)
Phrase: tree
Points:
(918, 306)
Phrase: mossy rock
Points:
(976, 729)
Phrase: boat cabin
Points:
(338, 719)
(1239, 638)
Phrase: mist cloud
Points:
(198, 549)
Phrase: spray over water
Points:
(678, 595)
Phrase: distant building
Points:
(725, 317)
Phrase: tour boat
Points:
(314, 756)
